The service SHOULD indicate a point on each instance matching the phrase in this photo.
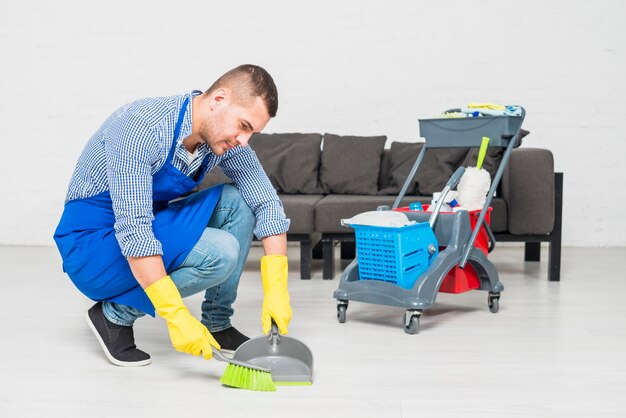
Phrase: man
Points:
(129, 245)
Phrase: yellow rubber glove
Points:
(276, 295)
(188, 335)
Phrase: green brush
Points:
(482, 152)
(245, 376)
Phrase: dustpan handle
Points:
(274, 336)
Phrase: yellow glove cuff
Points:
(276, 300)
(164, 296)
(274, 270)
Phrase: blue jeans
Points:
(213, 265)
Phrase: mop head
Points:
(246, 378)
(473, 188)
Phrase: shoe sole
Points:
(106, 350)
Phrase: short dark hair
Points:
(252, 81)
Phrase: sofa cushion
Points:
(291, 160)
(433, 173)
(437, 167)
(491, 162)
(402, 156)
(332, 208)
(492, 158)
(300, 209)
(384, 177)
(350, 164)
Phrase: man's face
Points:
(231, 124)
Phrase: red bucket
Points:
(460, 280)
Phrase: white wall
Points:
(347, 67)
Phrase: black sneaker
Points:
(229, 339)
(118, 342)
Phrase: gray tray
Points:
(468, 132)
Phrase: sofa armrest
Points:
(528, 188)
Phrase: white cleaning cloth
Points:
(390, 218)
(473, 188)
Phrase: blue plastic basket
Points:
(397, 255)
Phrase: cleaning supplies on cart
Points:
(475, 110)
(452, 115)
(455, 231)
(475, 183)
(379, 218)
(449, 201)
(491, 109)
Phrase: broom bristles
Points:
(247, 378)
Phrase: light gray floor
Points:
(553, 350)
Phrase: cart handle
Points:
(494, 184)
(492, 238)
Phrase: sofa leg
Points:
(532, 251)
(305, 260)
(317, 251)
(554, 268)
(348, 250)
(329, 259)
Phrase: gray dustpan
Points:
(290, 360)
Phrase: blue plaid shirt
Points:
(132, 145)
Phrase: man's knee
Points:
(232, 198)
(221, 254)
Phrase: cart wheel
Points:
(342, 306)
(412, 321)
(493, 300)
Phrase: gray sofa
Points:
(322, 179)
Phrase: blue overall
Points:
(91, 254)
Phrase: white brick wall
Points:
(347, 67)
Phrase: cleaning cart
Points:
(407, 266)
